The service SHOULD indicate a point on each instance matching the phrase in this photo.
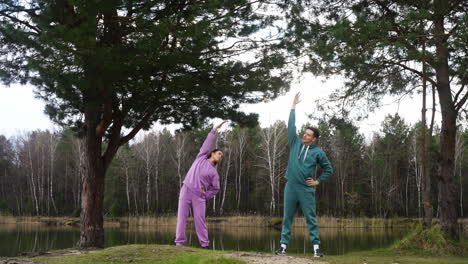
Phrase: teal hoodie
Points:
(303, 158)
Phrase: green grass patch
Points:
(141, 254)
(200, 260)
(275, 222)
(430, 241)
(387, 256)
(166, 254)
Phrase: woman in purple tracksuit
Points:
(200, 184)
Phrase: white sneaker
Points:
(318, 253)
(281, 251)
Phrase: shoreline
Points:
(177, 254)
(229, 221)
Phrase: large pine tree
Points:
(105, 65)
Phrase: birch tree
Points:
(240, 151)
(147, 151)
(459, 158)
(273, 147)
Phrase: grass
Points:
(384, 256)
(165, 254)
(140, 254)
(431, 241)
(203, 260)
(418, 247)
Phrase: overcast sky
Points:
(20, 112)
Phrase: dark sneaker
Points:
(318, 253)
(207, 247)
(281, 251)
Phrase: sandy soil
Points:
(260, 258)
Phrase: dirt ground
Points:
(260, 258)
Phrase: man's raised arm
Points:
(292, 136)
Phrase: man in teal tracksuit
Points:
(300, 187)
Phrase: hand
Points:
(203, 190)
(220, 125)
(311, 182)
(296, 100)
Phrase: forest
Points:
(373, 177)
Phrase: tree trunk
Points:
(225, 181)
(180, 156)
(242, 145)
(148, 186)
(459, 149)
(31, 173)
(448, 212)
(127, 189)
(52, 149)
(426, 180)
(92, 198)
(156, 172)
(447, 190)
(92, 194)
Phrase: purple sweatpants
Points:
(187, 199)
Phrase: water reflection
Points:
(19, 238)
(334, 241)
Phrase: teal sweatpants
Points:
(304, 196)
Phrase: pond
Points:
(21, 238)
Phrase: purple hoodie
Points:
(203, 173)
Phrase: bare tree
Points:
(124, 155)
(157, 146)
(180, 155)
(424, 147)
(416, 165)
(147, 150)
(79, 155)
(53, 143)
(341, 167)
(28, 146)
(371, 157)
(459, 149)
(273, 147)
(241, 148)
(225, 169)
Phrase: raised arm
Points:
(292, 134)
(207, 144)
(209, 141)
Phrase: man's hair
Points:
(315, 130)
